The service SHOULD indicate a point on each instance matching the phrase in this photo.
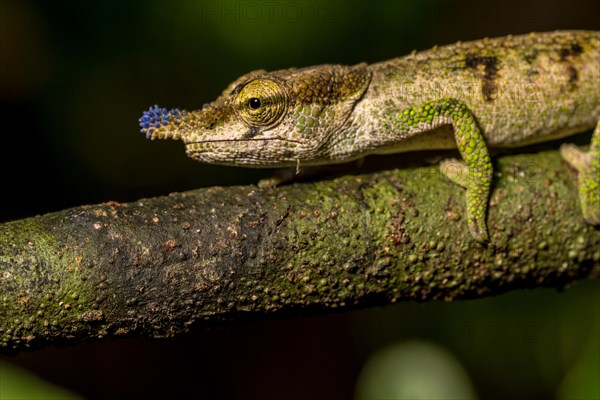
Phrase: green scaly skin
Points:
(503, 92)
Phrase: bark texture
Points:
(158, 267)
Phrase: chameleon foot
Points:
(588, 166)
(475, 174)
(477, 195)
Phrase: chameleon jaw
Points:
(247, 152)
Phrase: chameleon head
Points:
(266, 119)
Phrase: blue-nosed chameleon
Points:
(504, 92)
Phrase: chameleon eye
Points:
(261, 103)
(254, 103)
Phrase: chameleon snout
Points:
(160, 123)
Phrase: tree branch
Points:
(157, 267)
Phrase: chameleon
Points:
(505, 92)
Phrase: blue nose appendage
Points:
(160, 123)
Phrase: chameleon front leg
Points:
(475, 173)
(588, 167)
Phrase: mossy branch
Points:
(158, 267)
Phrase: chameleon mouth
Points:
(250, 152)
(243, 140)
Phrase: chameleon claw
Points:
(587, 165)
(458, 172)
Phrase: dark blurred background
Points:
(76, 76)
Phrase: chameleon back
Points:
(522, 89)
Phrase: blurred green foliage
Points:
(413, 370)
(19, 384)
(521, 345)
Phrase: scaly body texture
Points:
(504, 92)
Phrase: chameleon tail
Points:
(160, 123)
